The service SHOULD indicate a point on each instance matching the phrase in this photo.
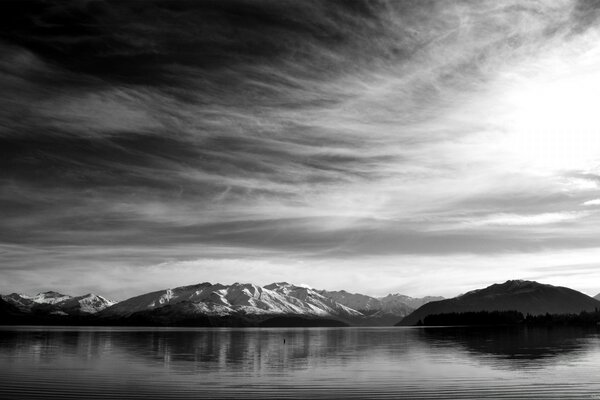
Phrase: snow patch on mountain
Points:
(59, 304)
(92, 303)
(50, 298)
(280, 298)
(246, 298)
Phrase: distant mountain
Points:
(247, 302)
(391, 305)
(208, 304)
(25, 302)
(218, 299)
(360, 302)
(57, 303)
(89, 304)
(527, 297)
(282, 304)
(391, 300)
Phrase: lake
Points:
(394, 362)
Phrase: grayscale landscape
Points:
(299, 199)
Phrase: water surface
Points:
(67, 362)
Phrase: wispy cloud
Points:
(293, 134)
(535, 219)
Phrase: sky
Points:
(420, 147)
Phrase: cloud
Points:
(148, 133)
(594, 202)
(535, 219)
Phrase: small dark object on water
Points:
(283, 341)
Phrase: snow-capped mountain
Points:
(49, 298)
(26, 302)
(220, 300)
(320, 304)
(89, 303)
(58, 303)
(208, 304)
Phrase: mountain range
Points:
(283, 304)
(217, 304)
(55, 303)
(526, 297)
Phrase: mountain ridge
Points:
(527, 297)
(246, 304)
(54, 302)
(392, 304)
(247, 298)
(240, 301)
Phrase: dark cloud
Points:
(585, 15)
(139, 42)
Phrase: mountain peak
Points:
(93, 296)
(279, 284)
(52, 293)
(396, 295)
(519, 283)
(50, 297)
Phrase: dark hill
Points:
(527, 297)
(9, 311)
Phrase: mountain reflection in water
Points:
(317, 362)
